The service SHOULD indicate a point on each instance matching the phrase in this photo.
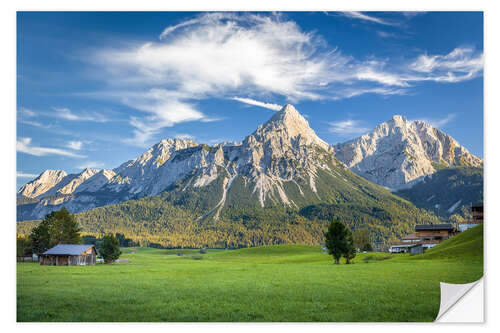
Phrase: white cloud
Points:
(364, 17)
(34, 123)
(75, 145)
(459, 65)
(164, 109)
(385, 34)
(26, 112)
(67, 114)
(353, 92)
(347, 127)
(222, 55)
(185, 136)
(369, 73)
(410, 15)
(220, 52)
(21, 174)
(91, 165)
(439, 122)
(23, 145)
(250, 101)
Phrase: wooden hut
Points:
(435, 232)
(69, 255)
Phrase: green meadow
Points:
(294, 283)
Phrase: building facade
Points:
(69, 255)
(424, 237)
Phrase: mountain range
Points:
(281, 178)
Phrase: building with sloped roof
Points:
(425, 237)
(69, 255)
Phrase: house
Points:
(435, 232)
(477, 218)
(477, 212)
(404, 245)
(425, 237)
(69, 255)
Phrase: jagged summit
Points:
(289, 124)
(287, 110)
(283, 162)
(399, 152)
(44, 182)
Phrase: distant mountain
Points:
(281, 151)
(44, 182)
(399, 153)
(281, 184)
(447, 191)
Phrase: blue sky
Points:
(97, 89)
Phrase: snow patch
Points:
(452, 208)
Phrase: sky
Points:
(95, 89)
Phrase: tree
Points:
(57, 227)
(350, 249)
(63, 228)
(335, 240)
(110, 248)
(40, 238)
(361, 239)
(23, 246)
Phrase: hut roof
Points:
(70, 249)
(444, 226)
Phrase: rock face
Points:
(282, 150)
(47, 180)
(398, 153)
(282, 163)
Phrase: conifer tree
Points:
(110, 248)
(350, 249)
(335, 240)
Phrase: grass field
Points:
(294, 283)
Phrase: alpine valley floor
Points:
(296, 283)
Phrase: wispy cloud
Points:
(91, 165)
(35, 124)
(353, 92)
(185, 136)
(21, 174)
(347, 127)
(67, 114)
(165, 109)
(24, 145)
(461, 64)
(410, 15)
(250, 101)
(439, 122)
(365, 17)
(26, 112)
(385, 34)
(222, 55)
(75, 145)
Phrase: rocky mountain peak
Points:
(44, 182)
(289, 124)
(52, 174)
(398, 120)
(399, 152)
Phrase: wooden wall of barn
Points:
(67, 260)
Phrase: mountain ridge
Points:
(281, 163)
(398, 153)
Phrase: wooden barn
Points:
(69, 255)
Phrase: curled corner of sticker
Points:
(461, 303)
